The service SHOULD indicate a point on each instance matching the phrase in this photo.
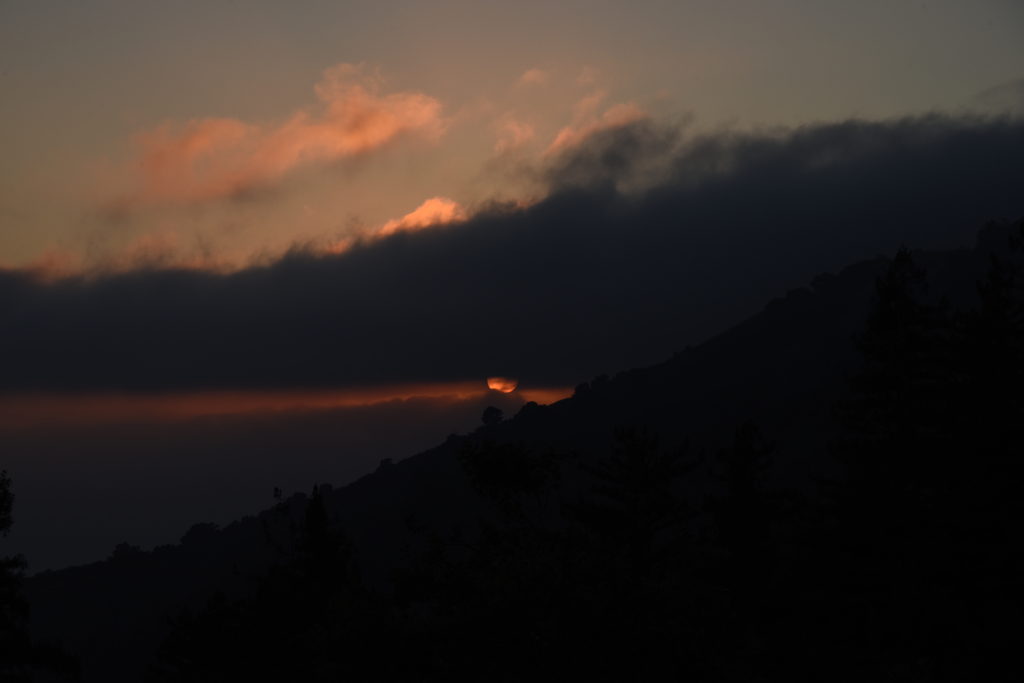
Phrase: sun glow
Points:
(505, 385)
(54, 410)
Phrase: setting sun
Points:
(505, 385)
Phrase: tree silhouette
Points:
(6, 504)
(991, 366)
(15, 645)
(492, 416)
(635, 501)
(933, 450)
(509, 475)
(307, 619)
(744, 512)
(899, 408)
(20, 657)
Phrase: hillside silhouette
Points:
(826, 491)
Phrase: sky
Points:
(266, 233)
(213, 134)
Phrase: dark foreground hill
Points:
(820, 493)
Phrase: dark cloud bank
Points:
(593, 279)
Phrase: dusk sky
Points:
(212, 210)
(210, 134)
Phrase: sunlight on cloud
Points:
(434, 211)
(588, 123)
(214, 158)
(512, 134)
(53, 264)
(165, 207)
(588, 76)
(533, 77)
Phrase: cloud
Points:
(588, 105)
(512, 135)
(53, 264)
(216, 158)
(586, 121)
(432, 212)
(1005, 98)
(588, 76)
(533, 77)
(615, 117)
(603, 274)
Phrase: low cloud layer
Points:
(648, 241)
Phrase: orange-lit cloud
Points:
(434, 211)
(214, 158)
(512, 134)
(533, 77)
(588, 76)
(586, 121)
(156, 249)
(52, 264)
(587, 107)
(505, 385)
(161, 248)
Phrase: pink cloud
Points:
(160, 248)
(53, 264)
(434, 211)
(588, 106)
(588, 76)
(213, 158)
(512, 134)
(533, 77)
(588, 123)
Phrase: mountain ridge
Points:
(783, 367)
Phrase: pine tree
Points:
(899, 413)
(933, 446)
(15, 645)
(744, 512)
